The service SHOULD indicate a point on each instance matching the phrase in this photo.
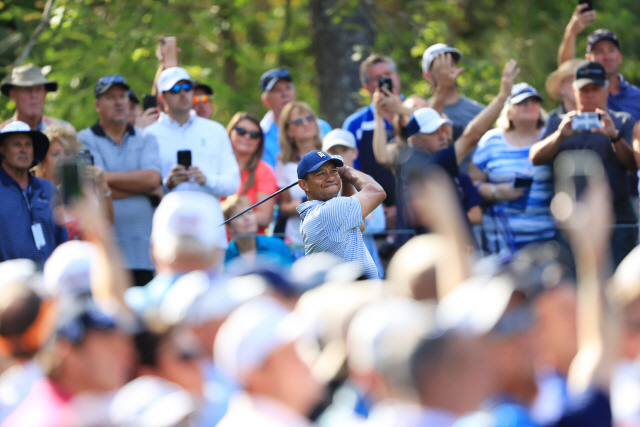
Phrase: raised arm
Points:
(445, 72)
(370, 193)
(623, 150)
(487, 117)
(578, 22)
(386, 154)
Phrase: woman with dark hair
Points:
(257, 178)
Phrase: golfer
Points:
(333, 222)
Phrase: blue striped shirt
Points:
(334, 227)
(501, 162)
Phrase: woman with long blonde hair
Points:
(299, 134)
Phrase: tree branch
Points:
(44, 23)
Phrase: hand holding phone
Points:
(589, 4)
(170, 51)
(149, 101)
(385, 82)
(70, 175)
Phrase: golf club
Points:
(260, 202)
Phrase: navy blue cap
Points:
(133, 97)
(522, 91)
(599, 35)
(105, 83)
(271, 77)
(590, 72)
(313, 160)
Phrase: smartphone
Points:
(586, 121)
(85, 156)
(149, 101)
(589, 4)
(184, 158)
(522, 182)
(71, 183)
(170, 51)
(385, 82)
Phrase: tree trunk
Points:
(334, 46)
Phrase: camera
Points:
(586, 121)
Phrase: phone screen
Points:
(385, 82)
(184, 158)
(589, 4)
(70, 187)
(149, 101)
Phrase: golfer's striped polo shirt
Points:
(334, 227)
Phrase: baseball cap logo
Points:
(321, 154)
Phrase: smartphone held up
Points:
(589, 4)
(586, 121)
(386, 83)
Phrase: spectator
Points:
(213, 167)
(515, 214)
(27, 321)
(257, 178)
(90, 353)
(203, 100)
(135, 110)
(362, 125)
(132, 171)
(458, 108)
(559, 86)
(277, 91)
(256, 345)
(609, 142)
(64, 145)
(299, 135)
(340, 142)
(27, 226)
(246, 245)
(602, 47)
(27, 87)
(186, 236)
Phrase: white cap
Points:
(189, 213)
(425, 120)
(67, 272)
(391, 325)
(339, 137)
(150, 401)
(433, 51)
(625, 287)
(16, 270)
(476, 305)
(170, 77)
(253, 332)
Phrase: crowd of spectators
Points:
(496, 285)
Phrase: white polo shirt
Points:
(210, 151)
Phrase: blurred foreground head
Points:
(256, 346)
(27, 316)
(186, 233)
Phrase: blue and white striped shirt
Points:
(501, 162)
(334, 227)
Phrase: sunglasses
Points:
(300, 122)
(255, 134)
(201, 98)
(184, 86)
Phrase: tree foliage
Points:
(229, 43)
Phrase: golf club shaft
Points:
(260, 202)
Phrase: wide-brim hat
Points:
(39, 139)
(27, 76)
(566, 69)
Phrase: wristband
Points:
(616, 139)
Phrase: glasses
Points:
(300, 122)
(255, 134)
(201, 98)
(184, 86)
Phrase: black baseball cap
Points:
(271, 77)
(589, 72)
(206, 88)
(599, 35)
(105, 83)
(313, 160)
(132, 97)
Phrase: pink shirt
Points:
(46, 405)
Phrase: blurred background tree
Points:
(230, 43)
